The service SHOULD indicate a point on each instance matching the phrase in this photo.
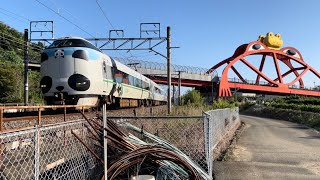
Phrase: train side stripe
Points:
(127, 85)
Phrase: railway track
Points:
(14, 121)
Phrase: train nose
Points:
(59, 88)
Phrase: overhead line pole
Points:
(169, 68)
(26, 64)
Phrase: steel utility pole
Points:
(169, 68)
(179, 88)
(26, 64)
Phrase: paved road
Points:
(273, 149)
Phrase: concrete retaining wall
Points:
(222, 124)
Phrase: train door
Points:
(104, 76)
(151, 93)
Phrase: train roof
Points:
(73, 37)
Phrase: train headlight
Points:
(46, 84)
(79, 82)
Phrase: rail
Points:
(39, 110)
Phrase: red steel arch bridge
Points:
(287, 55)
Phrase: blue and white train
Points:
(75, 72)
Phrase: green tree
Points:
(11, 71)
(11, 83)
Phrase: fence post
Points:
(64, 114)
(208, 142)
(105, 141)
(39, 117)
(1, 142)
(37, 153)
(1, 120)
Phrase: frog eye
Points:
(254, 47)
(278, 35)
(269, 34)
(292, 52)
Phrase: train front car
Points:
(71, 72)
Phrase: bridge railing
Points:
(265, 83)
(163, 66)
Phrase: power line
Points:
(12, 17)
(19, 41)
(64, 18)
(105, 15)
(16, 14)
(20, 18)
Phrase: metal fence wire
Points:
(47, 153)
(185, 133)
(59, 151)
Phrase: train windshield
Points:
(72, 43)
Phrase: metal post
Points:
(179, 89)
(64, 114)
(105, 141)
(173, 94)
(169, 69)
(212, 91)
(37, 153)
(1, 120)
(26, 64)
(39, 117)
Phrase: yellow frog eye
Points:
(269, 34)
(278, 35)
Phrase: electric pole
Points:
(179, 88)
(26, 64)
(169, 68)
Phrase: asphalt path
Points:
(272, 149)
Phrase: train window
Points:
(131, 80)
(138, 83)
(125, 78)
(72, 43)
(145, 85)
(118, 76)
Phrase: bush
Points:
(220, 104)
(193, 97)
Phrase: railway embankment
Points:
(310, 119)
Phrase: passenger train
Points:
(75, 72)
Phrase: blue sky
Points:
(206, 31)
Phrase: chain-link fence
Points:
(185, 133)
(59, 151)
(197, 137)
(48, 152)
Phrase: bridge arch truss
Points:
(287, 55)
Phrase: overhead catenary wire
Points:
(105, 15)
(65, 18)
(17, 40)
(22, 17)
(17, 17)
(109, 22)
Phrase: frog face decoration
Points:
(271, 41)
